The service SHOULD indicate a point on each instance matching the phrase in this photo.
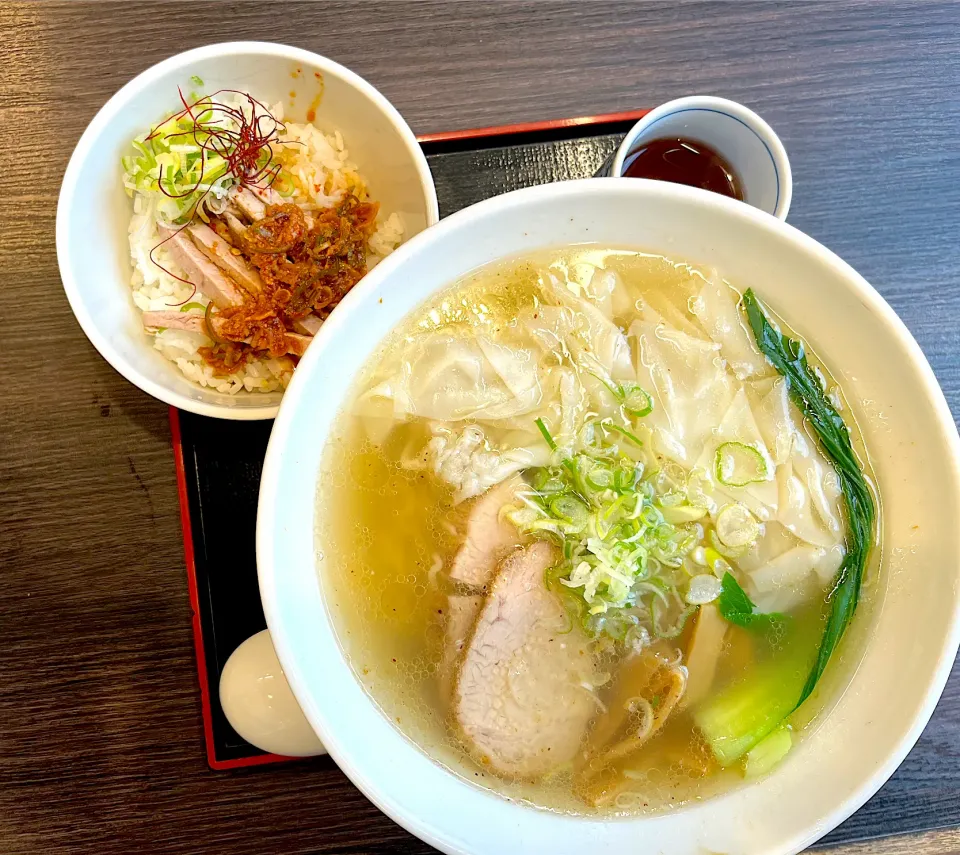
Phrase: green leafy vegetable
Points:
(743, 714)
(737, 608)
(196, 81)
(806, 391)
(740, 716)
(734, 604)
(768, 752)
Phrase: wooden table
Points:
(100, 731)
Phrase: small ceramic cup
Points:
(735, 132)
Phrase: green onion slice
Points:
(736, 526)
(737, 464)
(600, 477)
(634, 398)
(546, 434)
(636, 401)
(570, 510)
(624, 432)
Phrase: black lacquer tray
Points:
(219, 465)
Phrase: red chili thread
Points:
(242, 148)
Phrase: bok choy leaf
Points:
(788, 357)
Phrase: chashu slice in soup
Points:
(487, 541)
(488, 537)
(523, 696)
(462, 611)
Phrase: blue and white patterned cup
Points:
(735, 132)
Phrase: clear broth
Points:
(386, 532)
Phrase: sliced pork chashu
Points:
(193, 321)
(204, 274)
(235, 226)
(486, 542)
(488, 538)
(211, 263)
(223, 256)
(522, 698)
(310, 325)
(461, 616)
(248, 204)
(252, 203)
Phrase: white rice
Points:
(323, 167)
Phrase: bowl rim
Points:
(108, 112)
(268, 532)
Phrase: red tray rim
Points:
(185, 521)
(527, 127)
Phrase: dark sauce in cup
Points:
(683, 161)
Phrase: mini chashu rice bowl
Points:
(172, 275)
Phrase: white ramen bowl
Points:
(94, 212)
(907, 426)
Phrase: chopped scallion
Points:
(546, 434)
(620, 553)
(737, 465)
(636, 401)
(624, 432)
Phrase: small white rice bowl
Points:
(94, 245)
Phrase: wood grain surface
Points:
(100, 731)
